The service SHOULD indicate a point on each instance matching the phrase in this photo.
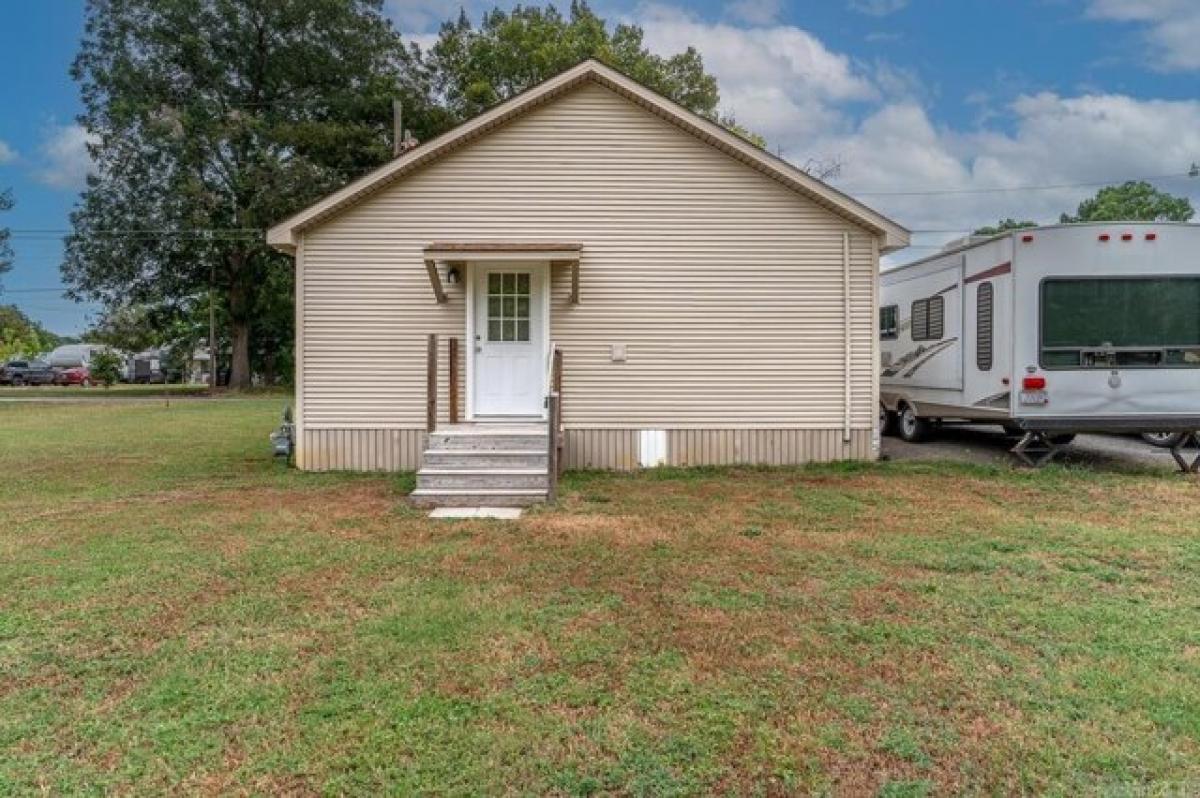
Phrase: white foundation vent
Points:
(652, 447)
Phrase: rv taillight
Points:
(1027, 238)
(1151, 236)
(1033, 383)
(1104, 236)
(1127, 236)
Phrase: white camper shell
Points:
(1050, 330)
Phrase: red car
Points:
(76, 375)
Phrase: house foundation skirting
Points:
(618, 449)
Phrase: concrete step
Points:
(484, 459)
(474, 497)
(485, 441)
(498, 478)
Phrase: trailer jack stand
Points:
(1036, 449)
(1182, 459)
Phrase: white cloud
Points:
(756, 12)
(7, 153)
(1172, 28)
(1054, 140)
(811, 102)
(877, 8)
(67, 162)
(779, 81)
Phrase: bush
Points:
(105, 368)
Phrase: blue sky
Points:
(908, 95)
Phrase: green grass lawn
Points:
(180, 613)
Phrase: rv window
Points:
(983, 326)
(928, 319)
(1129, 322)
(888, 326)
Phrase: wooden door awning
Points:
(558, 253)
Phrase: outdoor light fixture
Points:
(452, 275)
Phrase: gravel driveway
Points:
(987, 444)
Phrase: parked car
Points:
(76, 375)
(26, 372)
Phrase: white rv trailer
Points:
(1047, 331)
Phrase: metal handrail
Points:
(549, 383)
(553, 420)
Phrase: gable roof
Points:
(285, 235)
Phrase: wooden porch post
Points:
(453, 376)
(431, 384)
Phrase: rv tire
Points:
(912, 428)
(887, 420)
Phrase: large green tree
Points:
(224, 115)
(1132, 201)
(476, 67)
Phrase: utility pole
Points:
(397, 128)
(402, 140)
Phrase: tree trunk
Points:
(239, 322)
(239, 369)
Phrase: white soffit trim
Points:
(285, 235)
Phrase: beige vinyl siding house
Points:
(725, 306)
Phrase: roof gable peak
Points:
(285, 235)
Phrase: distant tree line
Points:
(21, 336)
(1133, 201)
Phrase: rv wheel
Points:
(887, 420)
(913, 428)
(1164, 440)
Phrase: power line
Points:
(1002, 189)
(232, 233)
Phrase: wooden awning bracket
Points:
(436, 281)
(574, 264)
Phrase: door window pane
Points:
(508, 306)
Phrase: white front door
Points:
(510, 339)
